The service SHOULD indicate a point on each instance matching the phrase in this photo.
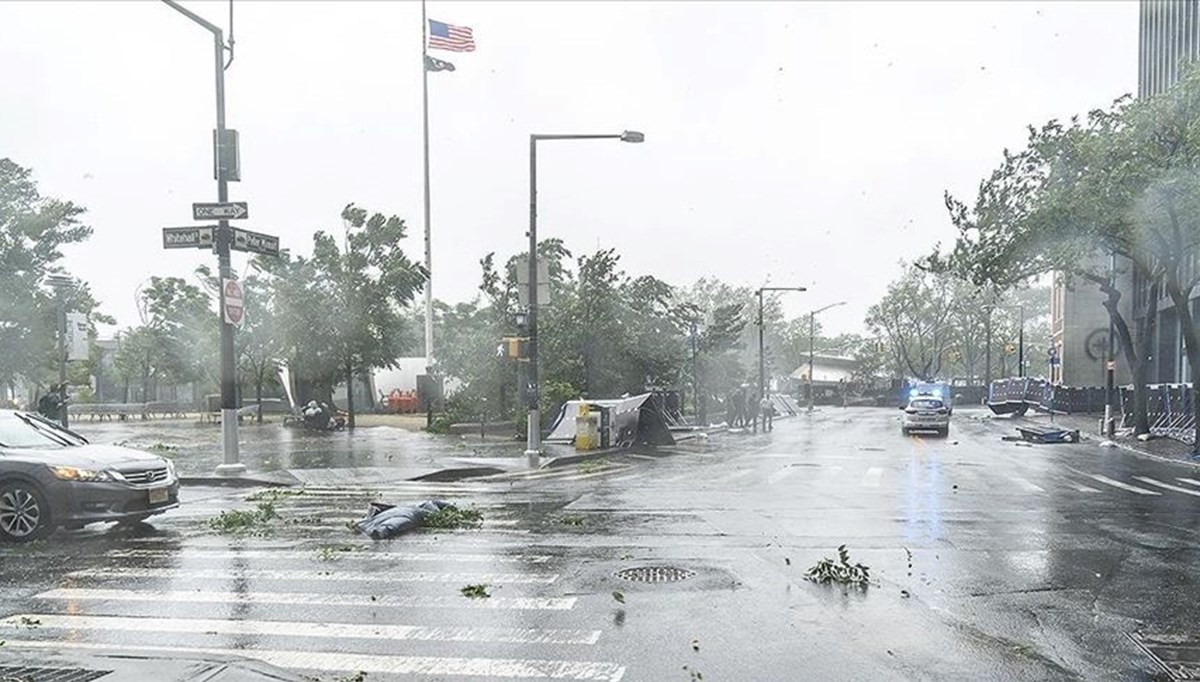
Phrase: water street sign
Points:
(195, 237)
(229, 210)
(235, 309)
(255, 242)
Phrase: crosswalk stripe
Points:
(374, 663)
(300, 629)
(1123, 486)
(872, 477)
(354, 554)
(1026, 485)
(1168, 486)
(780, 475)
(1189, 481)
(306, 599)
(336, 576)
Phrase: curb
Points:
(450, 475)
(237, 481)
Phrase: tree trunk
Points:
(1191, 347)
(258, 387)
(1136, 350)
(350, 395)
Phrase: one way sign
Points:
(229, 210)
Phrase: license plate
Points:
(159, 495)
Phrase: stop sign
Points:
(235, 310)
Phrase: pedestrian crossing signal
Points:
(514, 347)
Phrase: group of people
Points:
(741, 410)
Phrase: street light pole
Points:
(812, 333)
(223, 239)
(533, 447)
(61, 283)
(762, 366)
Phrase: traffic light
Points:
(515, 347)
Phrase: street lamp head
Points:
(633, 136)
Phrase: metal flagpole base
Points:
(229, 440)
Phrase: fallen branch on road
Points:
(841, 571)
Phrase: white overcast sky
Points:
(786, 142)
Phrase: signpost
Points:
(234, 308)
(255, 242)
(196, 237)
(222, 210)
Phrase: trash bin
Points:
(587, 429)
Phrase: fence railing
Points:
(1168, 406)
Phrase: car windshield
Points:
(27, 431)
(926, 404)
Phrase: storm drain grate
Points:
(16, 673)
(1178, 655)
(655, 574)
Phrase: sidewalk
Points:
(129, 664)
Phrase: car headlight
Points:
(74, 474)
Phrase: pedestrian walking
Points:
(739, 406)
(767, 408)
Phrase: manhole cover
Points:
(16, 673)
(655, 574)
(1178, 655)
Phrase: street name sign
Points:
(229, 210)
(255, 242)
(195, 237)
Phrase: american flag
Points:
(450, 37)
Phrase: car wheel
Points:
(944, 433)
(903, 430)
(24, 513)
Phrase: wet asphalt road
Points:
(1026, 563)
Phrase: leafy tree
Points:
(915, 317)
(344, 308)
(33, 230)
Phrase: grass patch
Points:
(842, 572)
(478, 591)
(243, 520)
(452, 516)
(591, 466)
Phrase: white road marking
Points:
(374, 663)
(780, 475)
(353, 555)
(1168, 486)
(306, 599)
(276, 628)
(1123, 486)
(335, 576)
(872, 477)
(1189, 481)
(1081, 487)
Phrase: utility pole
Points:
(533, 447)
(1110, 366)
(223, 240)
(762, 366)
(812, 335)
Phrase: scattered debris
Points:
(840, 571)
(908, 553)
(1023, 444)
(273, 494)
(571, 520)
(333, 553)
(954, 487)
(619, 596)
(904, 594)
(243, 520)
(696, 676)
(30, 622)
(787, 561)
(1107, 444)
(452, 516)
(1145, 437)
(695, 645)
(591, 466)
(478, 591)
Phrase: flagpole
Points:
(428, 241)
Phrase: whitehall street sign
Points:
(255, 242)
(230, 210)
(196, 237)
